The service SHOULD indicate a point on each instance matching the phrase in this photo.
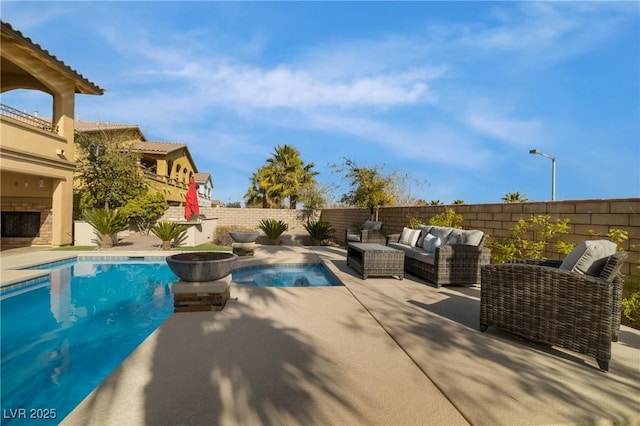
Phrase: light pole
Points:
(553, 171)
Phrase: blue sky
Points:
(454, 94)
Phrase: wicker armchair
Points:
(371, 232)
(536, 300)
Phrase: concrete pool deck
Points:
(380, 351)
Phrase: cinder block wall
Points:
(589, 219)
(249, 218)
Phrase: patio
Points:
(380, 351)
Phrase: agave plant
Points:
(319, 231)
(107, 223)
(169, 232)
(273, 229)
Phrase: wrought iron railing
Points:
(31, 120)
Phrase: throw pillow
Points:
(589, 257)
(430, 243)
(441, 232)
(424, 230)
(409, 236)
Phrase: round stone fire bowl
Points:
(202, 266)
(244, 236)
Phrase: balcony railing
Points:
(31, 120)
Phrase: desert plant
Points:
(520, 245)
(448, 218)
(319, 231)
(272, 228)
(170, 233)
(107, 223)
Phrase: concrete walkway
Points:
(380, 351)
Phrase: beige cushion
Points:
(409, 236)
(589, 257)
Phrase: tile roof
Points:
(201, 177)
(89, 126)
(83, 85)
(151, 147)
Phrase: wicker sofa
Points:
(547, 302)
(442, 255)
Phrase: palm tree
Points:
(458, 201)
(514, 197)
(284, 176)
(290, 175)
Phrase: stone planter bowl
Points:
(244, 236)
(202, 266)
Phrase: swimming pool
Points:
(298, 275)
(64, 334)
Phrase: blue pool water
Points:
(315, 275)
(63, 335)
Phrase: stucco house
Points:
(37, 156)
(167, 166)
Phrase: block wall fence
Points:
(589, 219)
(248, 218)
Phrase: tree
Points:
(234, 205)
(514, 197)
(284, 176)
(369, 187)
(107, 171)
(144, 209)
(458, 201)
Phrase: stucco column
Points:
(62, 199)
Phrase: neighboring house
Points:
(205, 189)
(167, 166)
(37, 156)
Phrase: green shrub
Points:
(530, 239)
(107, 223)
(448, 218)
(272, 228)
(319, 231)
(144, 209)
(631, 309)
(172, 232)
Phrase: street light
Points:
(553, 171)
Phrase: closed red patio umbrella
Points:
(191, 201)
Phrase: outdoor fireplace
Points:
(20, 224)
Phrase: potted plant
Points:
(169, 232)
(319, 231)
(107, 224)
(272, 228)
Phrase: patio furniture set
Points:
(574, 303)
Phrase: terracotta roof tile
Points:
(151, 147)
(201, 177)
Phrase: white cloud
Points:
(516, 132)
(285, 87)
